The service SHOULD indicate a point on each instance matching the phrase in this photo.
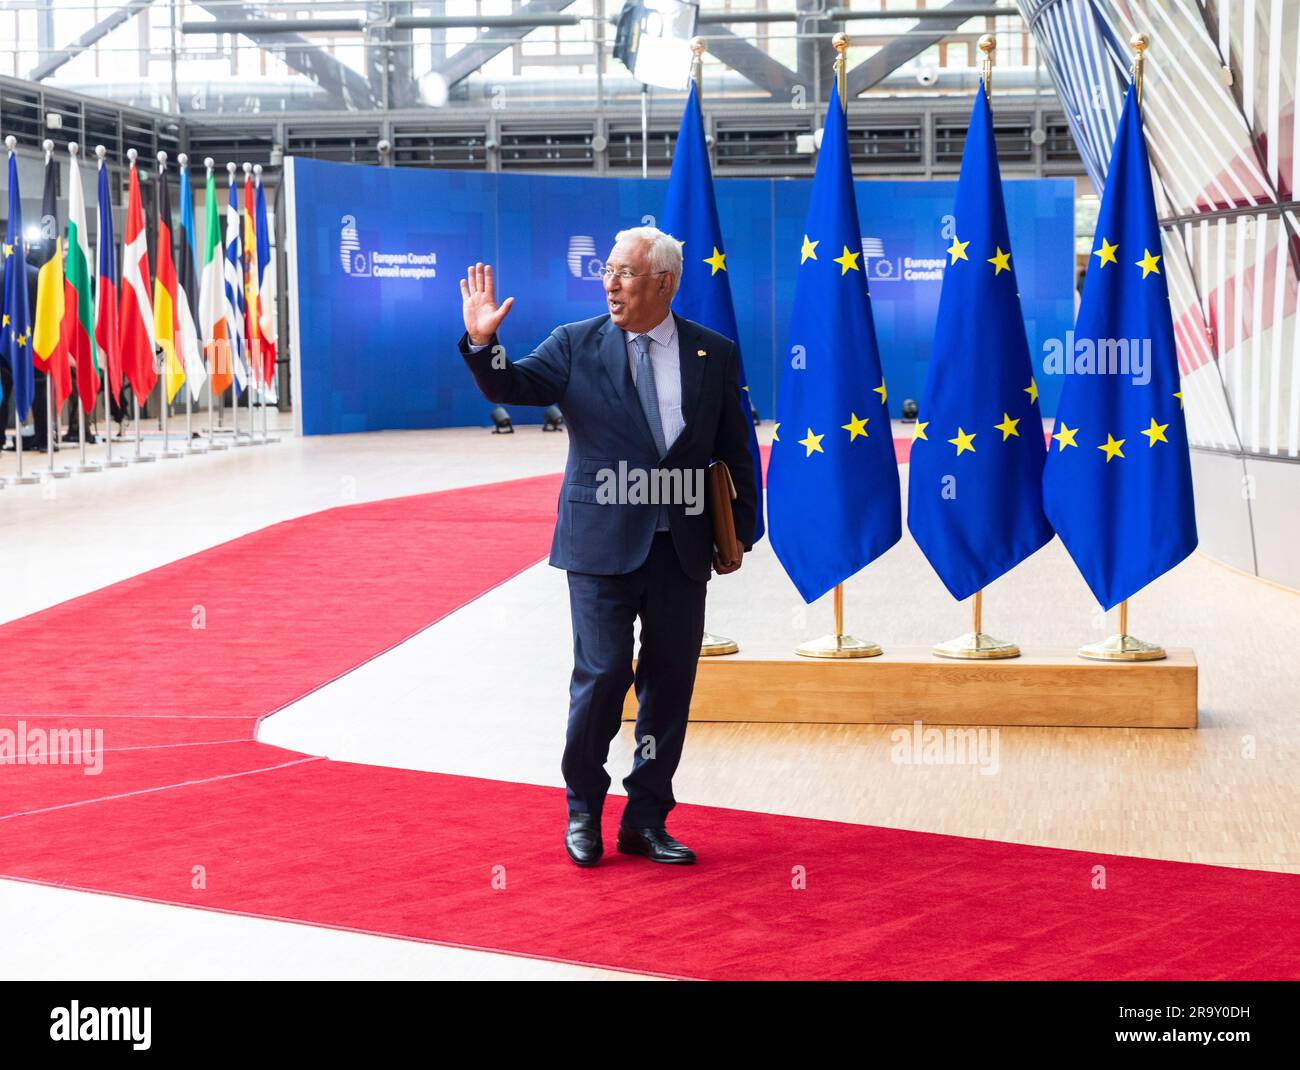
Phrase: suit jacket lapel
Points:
(692, 368)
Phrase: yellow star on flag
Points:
(919, 430)
(6, 321)
(880, 390)
(1001, 262)
(775, 427)
(1179, 395)
(1156, 432)
(1111, 447)
(809, 250)
(1065, 437)
(8, 249)
(1032, 390)
(855, 426)
(1148, 263)
(1107, 253)
(957, 250)
(847, 260)
(717, 261)
(1008, 427)
(812, 442)
(963, 441)
(22, 339)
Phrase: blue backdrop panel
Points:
(381, 252)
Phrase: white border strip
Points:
(295, 325)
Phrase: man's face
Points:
(640, 303)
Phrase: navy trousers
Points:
(671, 607)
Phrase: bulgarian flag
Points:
(47, 330)
(212, 295)
(107, 340)
(135, 314)
(164, 293)
(79, 317)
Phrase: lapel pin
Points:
(700, 353)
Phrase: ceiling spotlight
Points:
(501, 424)
(553, 419)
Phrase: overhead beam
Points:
(337, 79)
(104, 26)
(873, 71)
(752, 63)
(465, 62)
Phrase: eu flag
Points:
(1118, 481)
(691, 216)
(16, 321)
(974, 495)
(832, 482)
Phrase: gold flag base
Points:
(712, 646)
(838, 646)
(1122, 647)
(976, 645)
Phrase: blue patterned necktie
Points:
(645, 390)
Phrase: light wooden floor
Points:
(1227, 793)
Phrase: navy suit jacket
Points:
(583, 368)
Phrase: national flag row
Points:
(186, 321)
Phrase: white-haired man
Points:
(642, 391)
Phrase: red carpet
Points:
(414, 855)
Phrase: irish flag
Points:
(212, 294)
(79, 315)
(135, 313)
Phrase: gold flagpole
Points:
(1124, 647)
(839, 645)
(711, 646)
(976, 644)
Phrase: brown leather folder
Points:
(722, 491)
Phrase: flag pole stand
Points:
(167, 454)
(838, 645)
(711, 646)
(139, 457)
(977, 644)
(20, 479)
(212, 444)
(51, 429)
(1122, 647)
(111, 461)
(191, 445)
(85, 465)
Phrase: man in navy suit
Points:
(649, 399)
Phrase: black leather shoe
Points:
(655, 844)
(582, 839)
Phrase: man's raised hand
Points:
(479, 305)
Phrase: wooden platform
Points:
(906, 684)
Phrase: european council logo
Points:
(350, 255)
(582, 259)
